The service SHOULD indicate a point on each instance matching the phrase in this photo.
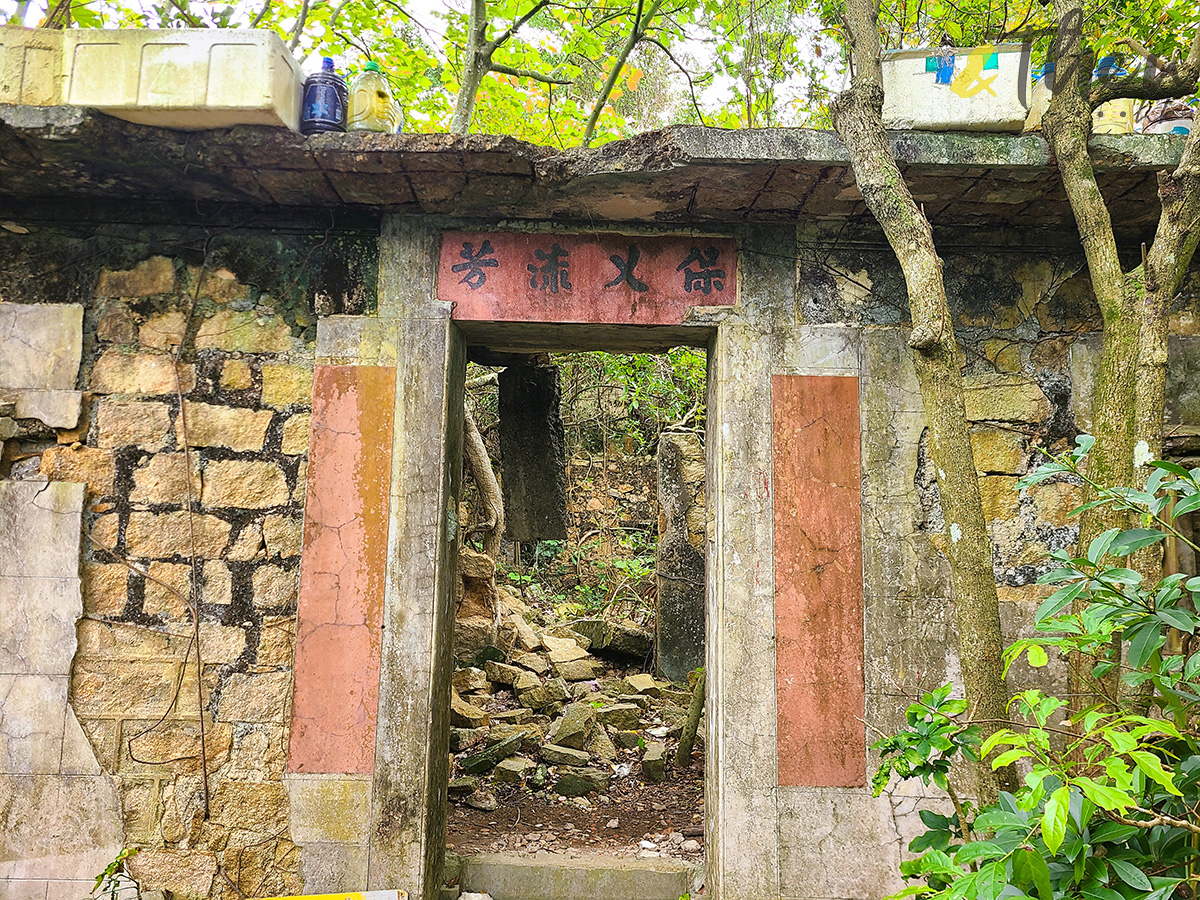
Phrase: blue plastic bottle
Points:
(325, 101)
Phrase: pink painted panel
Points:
(818, 582)
(595, 278)
(338, 638)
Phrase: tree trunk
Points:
(1129, 392)
(858, 119)
(485, 483)
(687, 737)
(476, 61)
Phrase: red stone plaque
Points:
(818, 582)
(601, 278)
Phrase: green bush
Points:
(1110, 806)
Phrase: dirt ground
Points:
(668, 815)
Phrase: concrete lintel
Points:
(356, 341)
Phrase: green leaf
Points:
(1059, 600)
(1054, 818)
(1131, 874)
(977, 850)
(1177, 618)
(1098, 548)
(1104, 796)
(1145, 640)
(1032, 869)
(1010, 756)
(1152, 767)
(1135, 539)
(1037, 656)
(1173, 468)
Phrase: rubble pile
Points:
(564, 715)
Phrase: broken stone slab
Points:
(579, 669)
(558, 690)
(527, 638)
(630, 640)
(531, 735)
(465, 738)
(464, 714)
(532, 661)
(461, 787)
(469, 679)
(622, 716)
(641, 683)
(567, 654)
(599, 744)
(501, 672)
(552, 642)
(575, 726)
(514, 770)
(626, 740)
(557, 755)
(487, 759)
(654, 762)
(535, 697)
(526, 681)
(580, 781)
(569, 633)
(512, 717)
(483, 800)
(641, 701)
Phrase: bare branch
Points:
(527, 73)
(301, 19)
(512, 29)
(261, 13)
(686, 74)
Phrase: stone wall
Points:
(225, 433)
(206, 456)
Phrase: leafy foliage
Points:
(1108, 807)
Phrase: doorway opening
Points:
(578, 653)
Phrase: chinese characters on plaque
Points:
(585, 278)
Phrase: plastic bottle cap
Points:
(326, 64)
(372, 66)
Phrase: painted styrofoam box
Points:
(31, 66)
(964, 89)
(188, 78)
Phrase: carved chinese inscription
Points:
(607, 278)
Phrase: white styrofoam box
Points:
(978, 89)
(187, 78)
(31, 66)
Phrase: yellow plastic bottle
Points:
(371, 105)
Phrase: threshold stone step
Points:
(507, 877)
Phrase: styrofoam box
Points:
(31, 66)
(188, 78)
(983, 94)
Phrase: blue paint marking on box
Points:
(992, 62)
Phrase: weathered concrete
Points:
(679, 559)
(533, 454)
(685, 174)
(408, 807)
(602, 878)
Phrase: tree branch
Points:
(261, 13)
(515, 26)
(1175, 80)
(301, 19)
(527, 73)
(686, 74)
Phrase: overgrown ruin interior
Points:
(248, 350)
